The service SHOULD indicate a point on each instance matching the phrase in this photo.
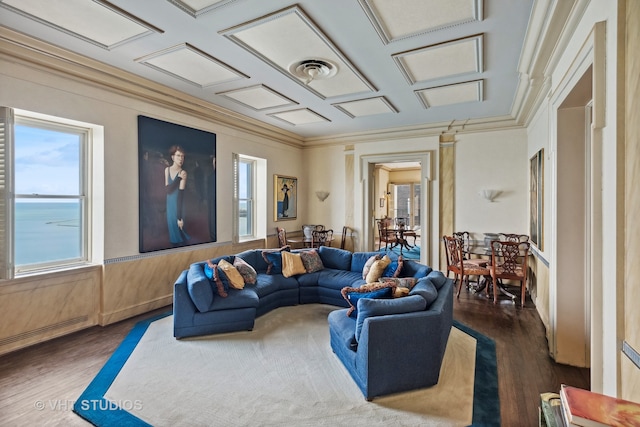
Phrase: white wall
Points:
(497, 161)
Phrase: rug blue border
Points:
(486, 398)
(93, 407)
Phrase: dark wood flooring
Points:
(38, 385)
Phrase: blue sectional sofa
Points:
(373, 338)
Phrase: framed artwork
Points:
(285, 191)
(536, 187)
(382, 202)
(177, 185)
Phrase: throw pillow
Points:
(369, 264)
(394, 268)
(292, 264)
(377, 269)
(235, 278)
(401, 282)
(245, 269)
(220, 287)
(372, 290)
(273, 258)
(311, 260)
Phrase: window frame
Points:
(12, 118)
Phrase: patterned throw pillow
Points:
(377, 269)
(292, 264)
(311, 260)
(235, 278)
(370, 290)
(368, 264)
(403, 285)
(247, 272)
(211, 270)
(273, 258)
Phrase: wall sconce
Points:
(489, 194)
(322, 195)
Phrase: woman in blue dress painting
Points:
(175, 181)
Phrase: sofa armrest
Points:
(405, 349)
(183, 307)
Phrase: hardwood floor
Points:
(38, 385)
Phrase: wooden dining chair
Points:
(460, 267)
(282, 236)
(509, 262)
(343, 241)
(321, 238)
(386, 234)
(510, 237)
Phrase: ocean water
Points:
(46, 232)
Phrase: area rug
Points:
(281, 373)
(412, 253)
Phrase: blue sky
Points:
(46, 161)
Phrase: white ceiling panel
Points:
(366, 107)
(451, 94)
(456, 58)
(288, 37)
(98, 22)
(396, 20)
(258, 97)
(191, 65)
(198, 7)
(302, 116)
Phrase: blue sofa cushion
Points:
(373, 291)
(253, 257)
(238, 298)
(337, 279)
(425, 288)
(273, 259)
(338, 259)
(270, 283)
(437, 278)
(380, 307)
(199, 288)
(395, 268)
(412, 268)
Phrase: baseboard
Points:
(131, 311)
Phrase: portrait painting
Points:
(177, 185)
(285, 190)
(536, 170)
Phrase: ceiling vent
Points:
(313, 69)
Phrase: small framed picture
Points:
(382, 202)
(285, 190)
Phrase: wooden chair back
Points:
(510, 237)
(282, 236)
(509, 262)
(321, 238)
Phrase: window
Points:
(406, 198)
(44, 191)
(246, 186)
(250, 197)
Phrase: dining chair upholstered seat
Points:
(460, 267)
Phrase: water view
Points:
(47, 232)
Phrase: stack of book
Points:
(577, 407)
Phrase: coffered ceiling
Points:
(316, 68)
